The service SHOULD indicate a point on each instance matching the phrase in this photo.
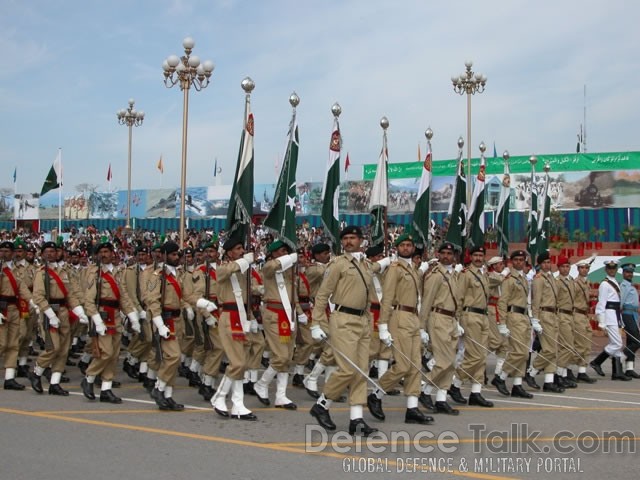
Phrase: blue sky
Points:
(70, 65)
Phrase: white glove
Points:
(211, 321)
(142, 314)
(502, 328)
(134, 318)
(163, 331)
(602, 323)
(248, 257)
(101, 329)
(190, 314)
(79, 311)
(458, 268)
(2, 318)
(243, 263)
(459, 329)
(54, 321)
(206, 304)
(287, 261)
(535, 324)
(33, 305)
(317, 333)
(505, 272)
(385, 336)
(84, 320)
(384, 263)
(424, 336)
(424, 266)
(253, 327)
(302, 319)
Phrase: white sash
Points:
(284, 297)
(377, 287)
(237, 292)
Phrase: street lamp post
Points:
(131, 118)
(470, 83)
(186, 71)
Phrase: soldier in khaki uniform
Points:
(321, 254)
(278, 320)
(26, 271)
(399, 324)
(566, 294)
(189, 367)
(106, 296)
(165, 303)
(512, 308)
(581, 327)
(304, 342)
(201, 292)
(347, 283)
(473, 284)
(235, 321)
(255, 336)
(55, 295)
(544, 305)
(439, 313)
(379, 353)
(498, 341)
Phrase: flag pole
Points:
(60, 193)
(427, 248)
(384, 123)
(15, 192)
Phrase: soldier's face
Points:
(477, 259)
(611, 271)
(351, 243)
(142, 258)
(498, 267)
(564, 269)
(236, 252)
(545, 266)
(583, 270)
(517, 263)
(323, 257)
(20, 254)
(6, 254)
(628, 276)
(106, 255)
(173, 259)
(212, 254)
(445, 257)
(280, 252)
(50, 254)
(405, 249)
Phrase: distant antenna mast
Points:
(584, 121)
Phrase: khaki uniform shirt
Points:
(474, 286)
(440, 291)
(566, 293)
(544, 292)
(74, 297)
(153, 298)
(515, 292)
(583, 292)
(106, 291)
(401, 287)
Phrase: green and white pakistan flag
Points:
(532, 244)
(458, 209)
(476, 209)
(545, 224)
(379, 194)
(241, 202)
(281, 220)
(421, 213)
(331, 189)
(54, 177)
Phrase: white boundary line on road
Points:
(146, 402)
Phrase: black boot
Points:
(83, 367)
(321, 414)
(22, 371)
(173, 406)
(296, 381)
(531, 381)
(479, 400)
(426, 402)
(571, 376)
(108, 397)
(559, 381)
(597, 362)
(130, 370)
(248, 388)
(359, 428)
(373, 372)
(616, 371)
(375, 406)
(500, 385)
(183, 371)
(206, 391)
(456, 395)
(87, 389)
(444, 407)
(36, 382)
(584, 378)
(552, 388)
(56, 389)
(11, 384)
(629, 373)
(567, 382)
(520, 392)
(194, 379)
(148, 384)
(414, 415)
(313, 393)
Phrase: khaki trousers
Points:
(404, 328)
(519, 342)
(107, 363)
(57, 357)
(443, 340)
(476, 327)
(10, 337)
(566, 351)
(281, 352)
(582, 333)
(547, 358)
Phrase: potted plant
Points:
(579, 237)
(629, 235)
(598, 233)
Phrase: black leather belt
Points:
(581, 312)
(231, 307)
(443, 311)
(566, 312)
(9, 299)
(613, 306)
(549, 309)
(516, 309)
(350, 311)
(475, 310)
(405, 308)
(375, 306)
(171, 312)
(61, 302)
(110, 303)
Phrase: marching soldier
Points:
(26, 271)
(279, 322)
(566, 293)
(498, 331)
(630, 309)
(165, 304)
(233, 325)
(609, 320)
(255, 336)
(304, 342)
(544, 305)
(582, 327)
(512, 307)
(379, 353)
(348, 283)
(439, 313)
(474, 286)
(399, 323)
(106, 296)
(55, 295)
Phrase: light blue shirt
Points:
(629, 298)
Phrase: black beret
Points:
(188, 251)
(351, 230)
(374, 251)
(543, 256)
(170, 247)
(7, 244)
(447, 246)
(629, 267)
(518, 253)
(46, 245)
(231, 242)
(143, 249)
(320, 247)
(418, 252)
(102, 245)
(476, 249)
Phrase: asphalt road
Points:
(551, 436)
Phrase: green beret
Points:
(404, 238)
(273, 246)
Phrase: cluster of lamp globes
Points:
(130, 115)
(188, 67)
